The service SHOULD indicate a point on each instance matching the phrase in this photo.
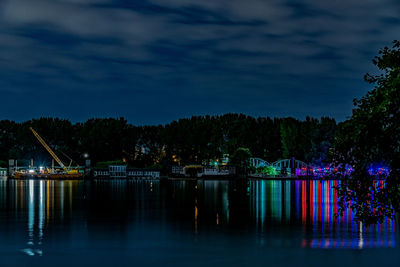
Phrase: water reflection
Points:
(46, 214)
(36, 202)
(314, 205)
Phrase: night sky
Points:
(159, 60)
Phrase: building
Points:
(117, 171)
(3, 172)
(203, 171)
(137, 173)
(121, 171)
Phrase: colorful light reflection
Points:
(314, 203)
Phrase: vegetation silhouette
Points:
(241, 159)
(195, 140)
(371, 139)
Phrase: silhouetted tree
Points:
(240, 159)
(371, 137)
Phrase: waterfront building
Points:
(132, 173)
(3, 172)
(178, 170)
(117, 171)
(121, 171)
(203, 171)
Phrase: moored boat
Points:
(23, 174)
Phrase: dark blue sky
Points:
(158, 60)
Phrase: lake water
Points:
(186, 223)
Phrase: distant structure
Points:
(117, 171)
(291, 167)
(258, 162)
(122, 171)
(12, 164)
(289, 163)
(3, 172)
(198, 171)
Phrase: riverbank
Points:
(171, 178)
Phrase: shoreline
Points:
(170, 178)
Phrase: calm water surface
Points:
(186, 223)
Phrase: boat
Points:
(61, 176)
(42, 173)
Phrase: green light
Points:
(268, 170)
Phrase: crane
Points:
(51, 152)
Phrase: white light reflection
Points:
(31, 212)
(41, 212)
(361, 241)
(31, 250)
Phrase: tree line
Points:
(195, 140)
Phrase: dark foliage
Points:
(370, 138)
(240, 159)
(187, 141)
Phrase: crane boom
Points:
(51, 152)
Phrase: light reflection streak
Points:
(31, 212)
(319, 203)
(41, 212)
(39, 198)
(62, 199)
(298, 200)
(195, 217)
(287, 200)
(225, 203)
(47, 200)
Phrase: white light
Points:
(31, 171)
(41, 168)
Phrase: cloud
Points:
(252, 52)
(84, 20)
(234, 9)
